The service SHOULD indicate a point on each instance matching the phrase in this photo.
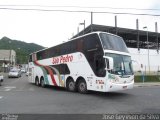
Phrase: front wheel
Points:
(82, 86)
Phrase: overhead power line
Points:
(36, 9)
(79, 7)
(62, 10)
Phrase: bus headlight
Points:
(113, 80)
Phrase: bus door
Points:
(64, 70)
(32, 76)
(31, 73)
(100, 65)
(62, 79)
(31, 67)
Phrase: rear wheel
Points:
(82, 86)
(42, 83)
(37, 81)
(71, 85)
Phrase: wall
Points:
(141, 57)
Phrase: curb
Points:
(146, 84)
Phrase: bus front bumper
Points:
(117, 87)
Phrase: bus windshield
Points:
(122, 64)
(112, 42)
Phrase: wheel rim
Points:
(42, 83)
(37, 82)
(71, 86)
(82, 87)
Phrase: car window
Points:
(13, 70)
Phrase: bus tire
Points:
(70, 85)
(37, 81)
(42, 83)
(82, 86)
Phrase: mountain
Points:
(22, 49)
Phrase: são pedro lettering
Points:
(62, 59)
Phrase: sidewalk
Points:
(147, 84)
(4, 74)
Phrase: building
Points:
(7, 59)
(143, 45)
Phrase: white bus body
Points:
(82, 64)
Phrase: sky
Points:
(49, 28)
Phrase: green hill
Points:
(22, 49)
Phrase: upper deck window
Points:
(112, 42)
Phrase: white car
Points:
(27, 73)
(23, 70)
(14, 73)
(1, 79)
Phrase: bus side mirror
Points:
(109, 62)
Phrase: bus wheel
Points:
(42, 83)
(37, 81)
(71, 85)
(82, 86)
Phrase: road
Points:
(18, 96)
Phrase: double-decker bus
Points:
(97, 61)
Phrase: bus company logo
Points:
(62, 59)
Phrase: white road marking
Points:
(12, 88)
(9, 88)
(1, 97)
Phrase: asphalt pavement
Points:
(18, 96)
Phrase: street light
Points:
(147, 47)
(83, 25)
(18, 59)
(10, 52)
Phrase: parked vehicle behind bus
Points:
(14, 73)
(1, 79)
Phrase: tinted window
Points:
(92, 42)
(112, 42)
(80, 43)
(39, 56)
(62, 69)
(100, 66)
